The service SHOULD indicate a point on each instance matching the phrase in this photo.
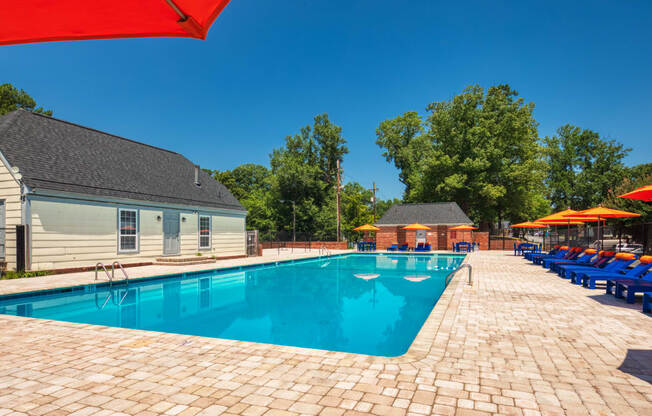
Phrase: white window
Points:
(128, 230)
(204, 231)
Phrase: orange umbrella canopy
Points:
(642, 194)
(602, 212)
(528, 224)
(565, 217)
(366, 227)
(464, 227)
(416, 226)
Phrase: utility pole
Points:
(337, 193)
(374, 189)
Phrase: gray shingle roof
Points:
(428, 214)
(58, 155)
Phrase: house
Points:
(439, 216)
(86, 196)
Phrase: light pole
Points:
(294, 219)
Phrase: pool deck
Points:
(520, 341)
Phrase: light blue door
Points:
(171, 241)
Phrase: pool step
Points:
(183, 261)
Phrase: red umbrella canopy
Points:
(27, 21)
(642, 194)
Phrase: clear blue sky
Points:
(269, 66)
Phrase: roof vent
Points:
(197, 181)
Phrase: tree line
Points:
(481, 149)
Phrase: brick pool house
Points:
(439, 216)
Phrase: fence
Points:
(616, 236)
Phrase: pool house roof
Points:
(55, 155)
(436, 213)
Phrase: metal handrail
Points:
(323, 249)
(124, 272)
(450, 275)
(108, 276)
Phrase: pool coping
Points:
(425, 343)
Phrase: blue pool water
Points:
(362, 303)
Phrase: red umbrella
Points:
(27, 21)
(642, 194)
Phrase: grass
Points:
(10, 274)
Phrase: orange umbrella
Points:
(642, 194)
(601, 213)
(463, 228)
(528, 224)
(416, 226)
(366, 227)
(559, 218)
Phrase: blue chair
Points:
(604, 257)
(572, 254)
(551, 253)
(582, 260)
(538, 259)
(616, 267)
(393, 247)
(647, 302)
(634, 275)
(403, 247)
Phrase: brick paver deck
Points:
(520, 341)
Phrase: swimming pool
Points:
(362, 303)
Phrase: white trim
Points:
(210, 231)
(9, 168)
(137, 236)
(115, 200)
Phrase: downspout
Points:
(26, 219)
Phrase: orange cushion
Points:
(556, 246)
(608, 253)
(589, 251)
(564, 247)
(645, 259)
(625, 256)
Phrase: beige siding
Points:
(10, 193)
(228, 235)
(68, 234)
(75, 234)
(189, 234)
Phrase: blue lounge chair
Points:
(572, 254)
(632, 274)
(618, 267)
(633, 286)
(561, 254)
(600, 262)
(555, 249)
(403, 247)
(582, 260)
(393, 247)
(647, 302)
(419, 247)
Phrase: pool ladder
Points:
(465, 265)
(111, 277)
(324, 251)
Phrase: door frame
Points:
(3, 229)
(178, 215)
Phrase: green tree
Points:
(628, 184)
(479, 149)
(356, 209)
(11, 99)
(581, 167)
